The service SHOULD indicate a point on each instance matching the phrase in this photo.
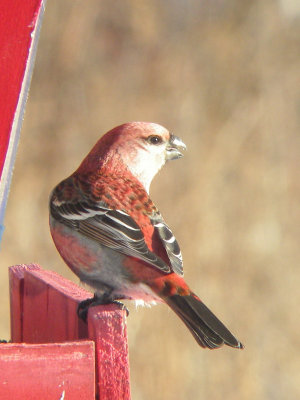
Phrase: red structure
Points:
(54, 354)
(20, 22)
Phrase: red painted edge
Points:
(17, 22)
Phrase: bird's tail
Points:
(203, 324)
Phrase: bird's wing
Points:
(113, 228)
(169, 242)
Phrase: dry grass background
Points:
(224, 76)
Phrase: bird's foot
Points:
(105, 298)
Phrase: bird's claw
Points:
(83, 306)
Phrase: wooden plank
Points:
(20, 23)
(43, 306)
(16, 291)
(47, 371)
(50, 308)
(107, 327)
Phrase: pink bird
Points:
(112, 236)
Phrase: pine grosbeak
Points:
(113, 237)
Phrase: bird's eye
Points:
(154, 139)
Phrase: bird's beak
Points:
(175, 148)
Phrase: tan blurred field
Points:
(224, 76)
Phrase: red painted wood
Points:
(50, 308)
(47, 371)
(16, 289)
(43, 306)
(107, 327)
(46, 304)
(17, 22)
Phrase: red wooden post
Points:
(43, 310)
(107, 327)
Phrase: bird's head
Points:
(143, 147)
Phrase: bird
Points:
(112, 236)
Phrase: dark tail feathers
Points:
(203, 324)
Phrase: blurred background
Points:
(224, 76)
